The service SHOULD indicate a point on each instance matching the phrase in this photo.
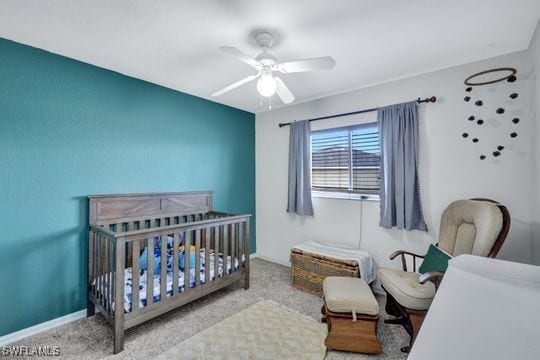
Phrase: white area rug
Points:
(264, 330)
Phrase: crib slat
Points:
(240, 244)
(216, 252)
(120, 249)
(94, 264)
(99, 272)
(163, 282)
(175, 263)
(233, 246)
(98, 266)
(110, 294)
(113, 282)
(150, 272)
(247, 252)
(225, 250)
(106, 274)
(130, 227)
(90, 261)
(207, 255)
(187, 260)
(103, 272)
(135, 276)
(197, 257)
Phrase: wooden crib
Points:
(174, 225)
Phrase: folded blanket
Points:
(365, 262)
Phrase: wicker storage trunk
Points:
(308, 270)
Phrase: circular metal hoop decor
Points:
(512, 71)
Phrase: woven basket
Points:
(308, 271)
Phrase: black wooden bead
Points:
(469, 89)
(496, 153)
(471, 118)
(480, 121)
(475, 140)
(515, 120)
(512, 78)
(513, 135)
(465, 135)
(478, 103)
(482, 157)
(500, 111)
(500, 147)
(467, 98)
(513, 95)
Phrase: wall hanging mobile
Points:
(507, 74)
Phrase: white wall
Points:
(449, 165)
(535, 111)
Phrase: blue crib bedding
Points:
(143, 281)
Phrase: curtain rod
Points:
(426, 100)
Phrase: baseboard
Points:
(36, 329)
(273, 260)
(254, 255)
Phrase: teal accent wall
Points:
(68, 130)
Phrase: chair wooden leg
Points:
(400, 320)
(411, 320)
(413, 324)
(392, 306)
(416, 323)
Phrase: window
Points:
(345, 162)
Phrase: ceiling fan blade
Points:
(321, 63)
(283, 91)
(235, 85)
(241, 56)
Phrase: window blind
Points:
(346, 159)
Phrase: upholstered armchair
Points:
(476, 226)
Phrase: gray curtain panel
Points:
(400, 193)
(299, 171)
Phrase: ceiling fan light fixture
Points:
(266, 64)
(266, 86)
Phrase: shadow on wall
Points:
(46, 251)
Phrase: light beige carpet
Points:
(264, 330)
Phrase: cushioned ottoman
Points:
(352, 314)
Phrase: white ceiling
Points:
(175, 43)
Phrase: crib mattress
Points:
(143, 279)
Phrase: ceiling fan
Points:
(266, 64)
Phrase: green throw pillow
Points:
(435, 260)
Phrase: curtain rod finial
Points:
(432, 99)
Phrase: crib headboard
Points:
(115, 208)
